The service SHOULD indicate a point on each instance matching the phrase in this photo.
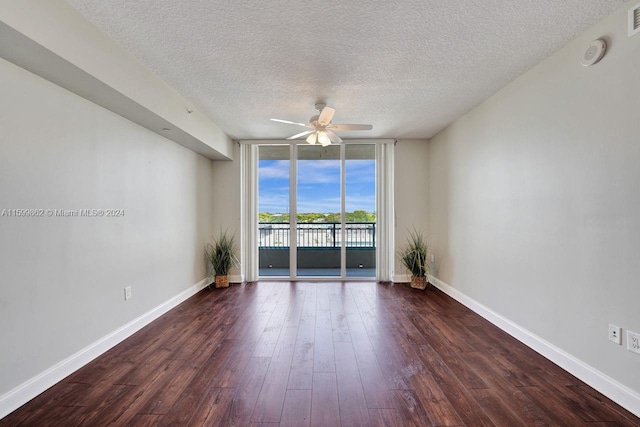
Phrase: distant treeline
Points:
(355, 216)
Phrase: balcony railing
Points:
(272, 235)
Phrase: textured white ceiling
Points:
(408, 67)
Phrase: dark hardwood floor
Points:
(326, 354)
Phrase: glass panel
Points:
(273, 210)
(360, 214)
(318, 210)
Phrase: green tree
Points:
(311, 217)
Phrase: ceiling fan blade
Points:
(333, 137)
(298, 135)
(350, 127)
(326, 115)
(290, 122)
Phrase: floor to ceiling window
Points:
(317, 212)
(328, 196)
(273, 210)
(360, 210)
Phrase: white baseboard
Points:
(401, 278)
(26, 391)
(619, 393)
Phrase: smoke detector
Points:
(594, 52)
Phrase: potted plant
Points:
(221, 254)
(414, 259)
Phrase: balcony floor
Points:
(318, 272)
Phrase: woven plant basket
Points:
(419, 282)
(222, 281)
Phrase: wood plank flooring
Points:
(320, 354)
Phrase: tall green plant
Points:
(414, 255)
(222, 254)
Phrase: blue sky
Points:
(318, 186)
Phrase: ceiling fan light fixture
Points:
(322, 127)
(323, 138)
(311, 139)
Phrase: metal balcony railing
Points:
(272, 235)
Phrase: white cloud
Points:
(318, 171)
(360, 202)
(319, 206)
(273, 203)
(318, 186)
(361, 171)
(274, 169)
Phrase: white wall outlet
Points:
(633, 342)
(127, 293)
(615, 334)
(433, 257)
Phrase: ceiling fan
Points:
(322, 128)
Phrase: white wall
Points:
(226, 202)
(53, 40)
(62, 279)
(411, 182)
(534, 203)
(227, 193)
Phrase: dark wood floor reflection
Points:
(325, 354)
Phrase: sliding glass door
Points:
(360, 210)
(274, 226)
(320, 201)
(318, 209)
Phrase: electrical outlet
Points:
(433, 257)
(615, 334)
(633, 342)
(127, 293)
